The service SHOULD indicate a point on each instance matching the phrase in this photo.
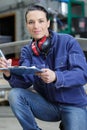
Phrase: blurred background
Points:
(66, 16)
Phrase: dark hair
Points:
(36, 7)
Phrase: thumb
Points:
(9, 62)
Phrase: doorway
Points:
(7, 29)
(7, 25)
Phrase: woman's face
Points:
(37, 24)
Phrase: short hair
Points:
(36, 7)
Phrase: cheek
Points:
(44, 27)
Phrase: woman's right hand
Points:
(5, 64)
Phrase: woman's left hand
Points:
(48, 76)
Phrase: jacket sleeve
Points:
(18, 82)
(23, 81)
(75, 73)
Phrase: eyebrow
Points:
(33, 20)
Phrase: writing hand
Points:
(5, 64)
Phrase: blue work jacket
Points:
(67, 60)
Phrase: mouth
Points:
(37, 32)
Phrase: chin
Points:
(38, 37)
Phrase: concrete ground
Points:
(9, 122)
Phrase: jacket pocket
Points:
(61, 63)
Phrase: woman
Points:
(58, 92)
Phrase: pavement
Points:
(9, 122)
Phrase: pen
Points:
(1, 54)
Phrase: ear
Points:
(48, 23)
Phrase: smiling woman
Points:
(59, 89)
(37, 25)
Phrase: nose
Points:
(36, 24)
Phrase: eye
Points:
(30, 22)
(41, 21)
